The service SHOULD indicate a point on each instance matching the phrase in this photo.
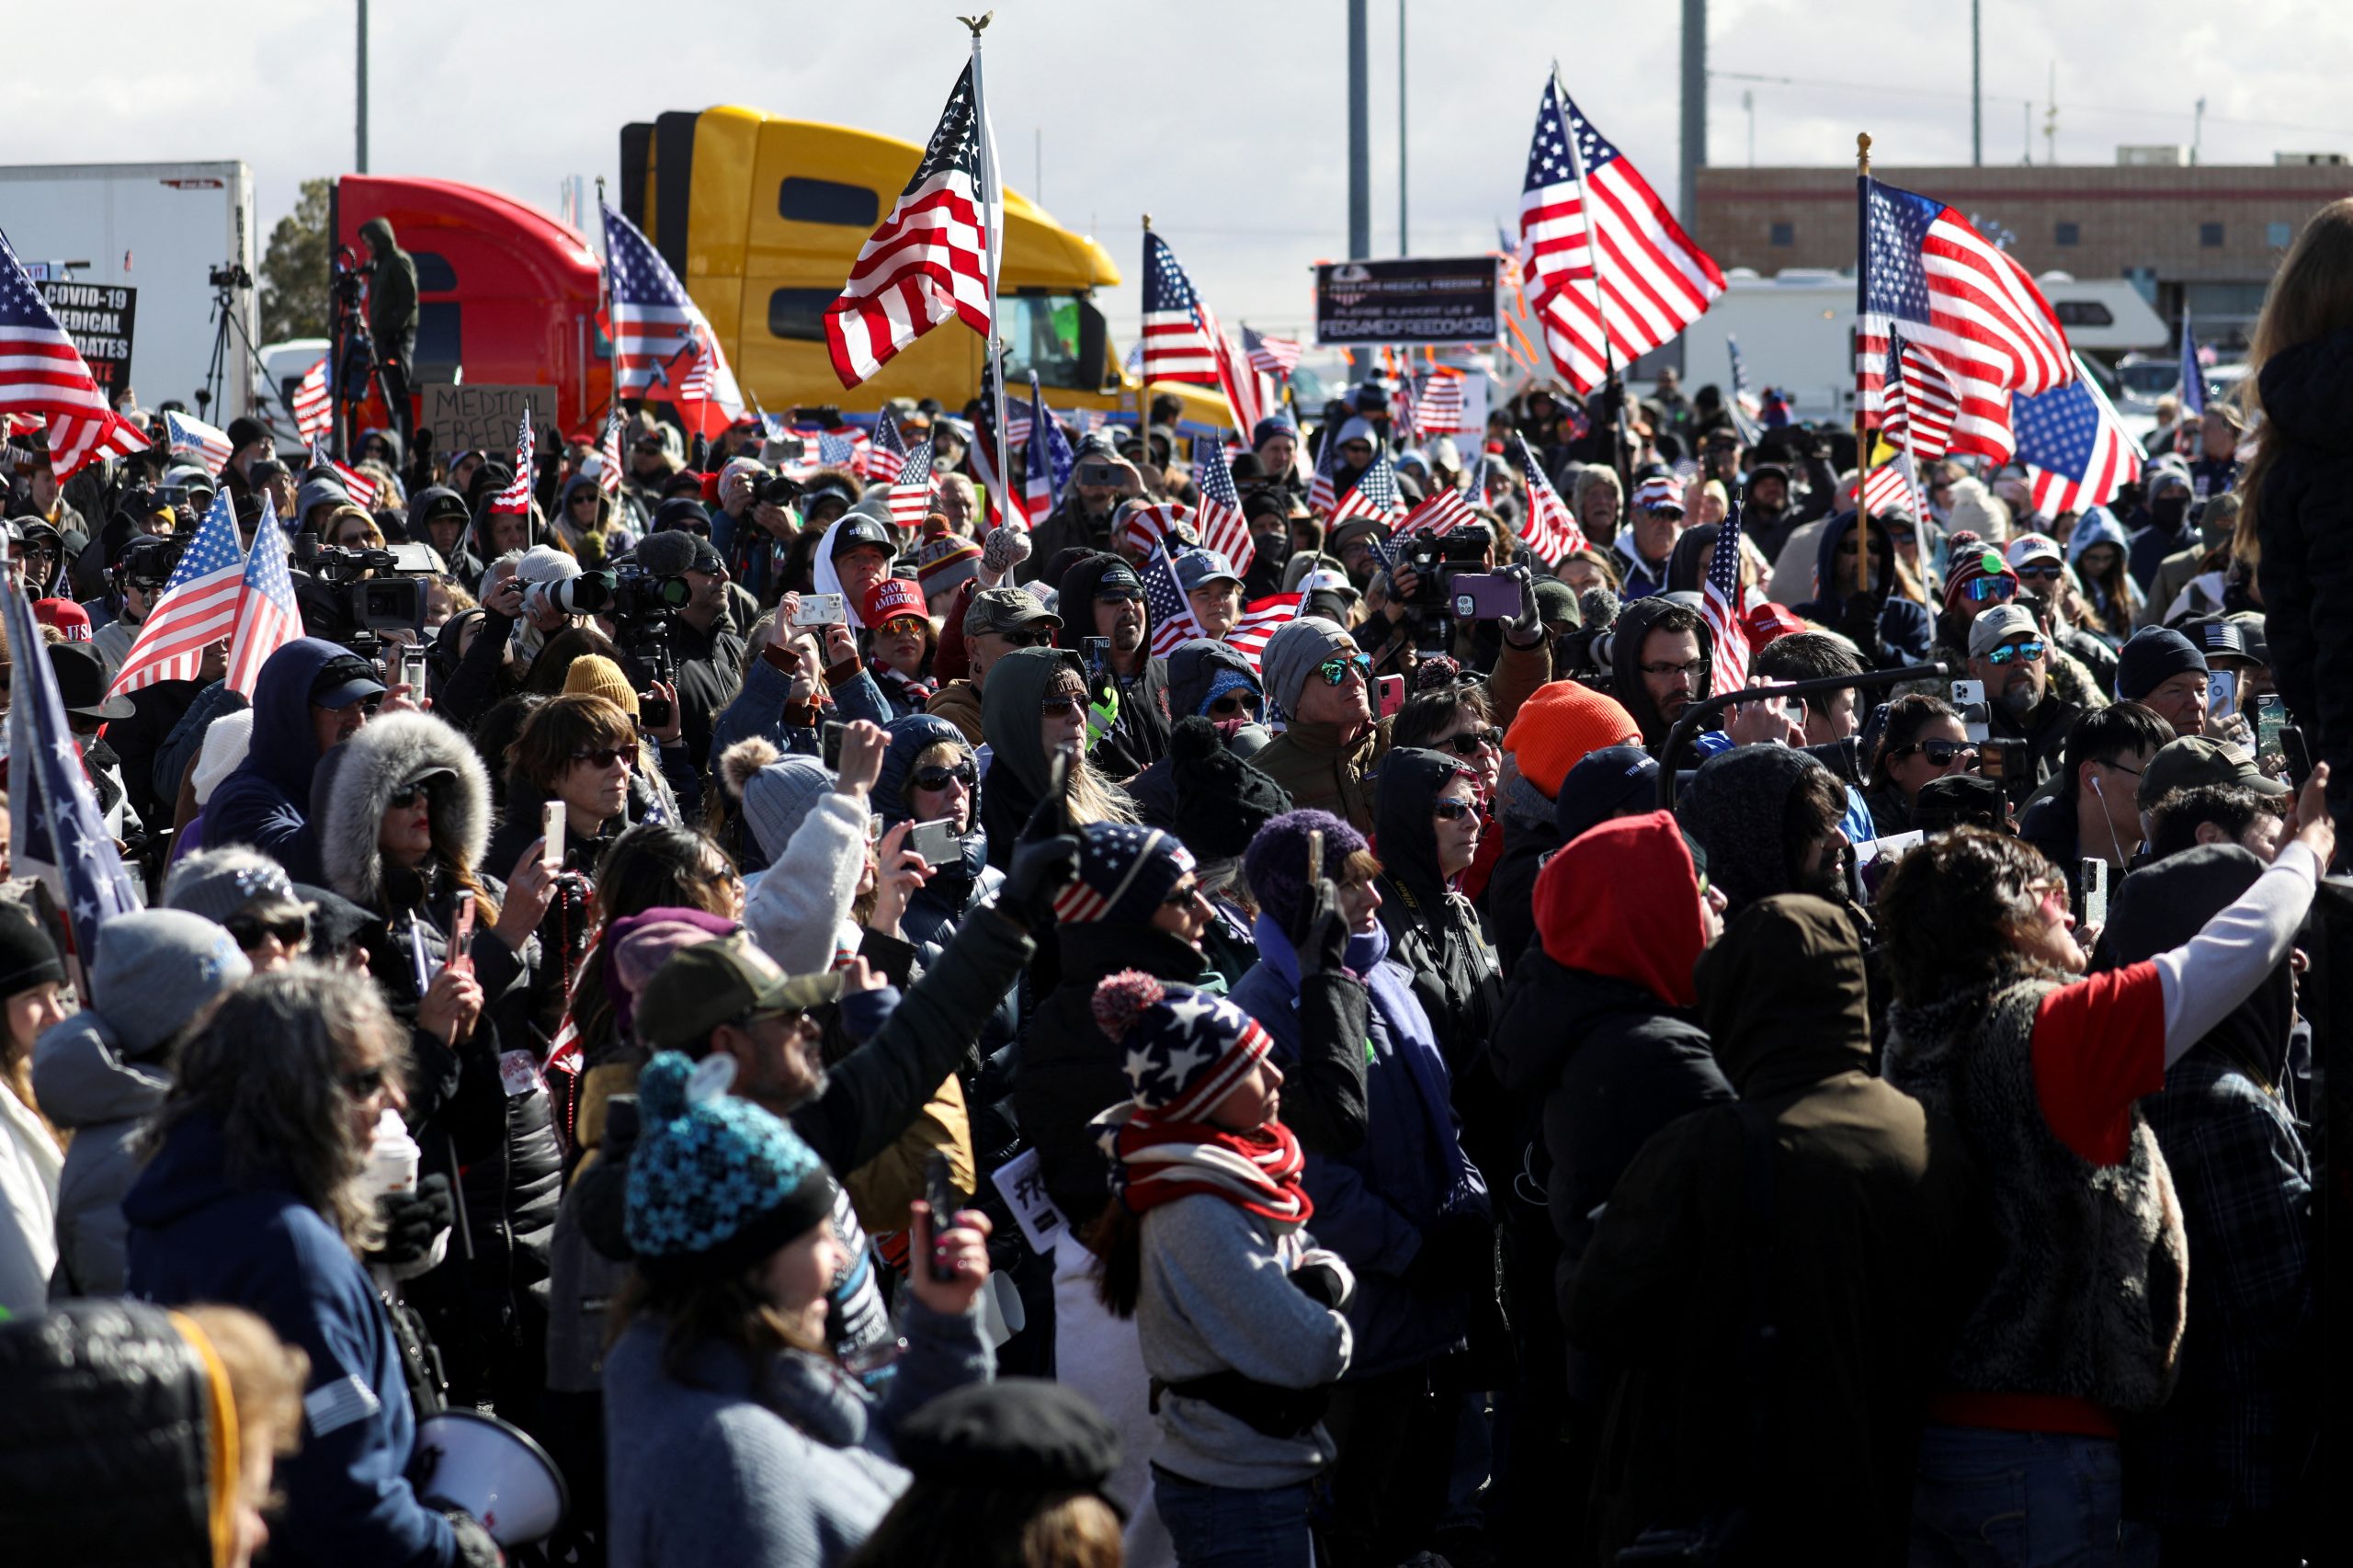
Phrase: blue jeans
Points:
(1991, 1499)
(1222, 1526)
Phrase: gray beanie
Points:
(778, 796)
(1294, 651)
(156, 968)
(318, 493)
(217, 883)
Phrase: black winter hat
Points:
(27, 956)
(2151, 656)
(1014, 1435)
(1222, 801)
(245, 430)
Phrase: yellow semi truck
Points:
(762, 217)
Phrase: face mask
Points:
(2169, 510)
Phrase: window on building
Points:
(2210, 235)
(1785, 235)
(800, 314)
(434, 273)
(828, 201)
(2083, 313)
(2067, 234)
(2278, 234)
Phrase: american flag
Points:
(1322, 490)
(55, 830)
(313, 410)
(516, 497)
(930, 259)
(1552, 529)
(1744, 401)
(43, 374)
(1006, 506)
(1260, 621)
(192, 437)
(2076, 452)
(1440, 410)
(1050, 457)
(663, 347)
(1588, 223)
(1218, 519)
(197, 608)
(1720, 602)
(1173, 622)
(1160, 526)
(355, 484)
(1964, 306)
(843, 446)
(912, 490)
(1375, 495)
(1182, 340)
(886, 452)
(2193, 375)
(1441, 513)
(609, 455)
(1919, 405)
(267, 617)
(1268, 355)
(1890, 486)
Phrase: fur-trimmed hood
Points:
(356, 780)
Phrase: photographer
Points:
(391, 318)
(525, 602)
(1102, 599)
(1100, 479)
(755, 525)
(706, 644)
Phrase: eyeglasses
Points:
(583, 493)
(905, 626)
(2120, 767)
(1940, 754)
(604, 757)
(1335, 670)
(1471, 743)
(1057, 707)
(1686, 670)
(1451, 810)
(364, 1085)
(936, 777)
(248, 930)
(1978, 590)
(2028, 651)
(1183, 894)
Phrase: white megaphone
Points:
(493, 1471)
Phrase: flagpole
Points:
(993, 204)
(1862, 294)
(1143, 381)
(605, 286)
(1600, 310)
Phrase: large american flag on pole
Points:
(1173, 622)
(1962, 306)
(516, 497)
(43, 376)
(2076, 452)
(1610, 273)
(1552, 529)
(1218, 519)
(267, 617)
(197, 607)
(1720, 605)
(663, 347)
(1182, 340)
(55, 830)
(930, 260)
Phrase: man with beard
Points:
(1768, 819)
(1102, 596)
(2009, 654)
(1100, 479)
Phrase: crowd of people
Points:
(859, 1052)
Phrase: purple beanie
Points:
(1276, 863)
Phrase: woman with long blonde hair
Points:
(2299, 487)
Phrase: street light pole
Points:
(1402, 249)
(360, 162)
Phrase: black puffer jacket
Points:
(2304, 515)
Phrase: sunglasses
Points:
(1178, 897)
(1055, 707)
(936, 777)
(1942, 754)
(1451, 810)
(905, 626)
(2028, 651)
(1023, 639)
(1979, 590)
(1335, 671)
(248, 930)
(2040, 573)
(1471, 743)
(365, 1084)
(604, 757)
(1233, 705)
(408, 795)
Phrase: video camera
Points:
(1433, 559)
(342, 605)
(233, 275)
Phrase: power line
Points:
(1886, 90)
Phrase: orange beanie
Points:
(1559, 726)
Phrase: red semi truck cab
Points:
(504, 291)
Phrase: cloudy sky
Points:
(1226, 119)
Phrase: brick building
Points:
(2212, 233)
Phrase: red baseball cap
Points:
(893, 597)
(69, 617)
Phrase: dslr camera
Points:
(343, 603)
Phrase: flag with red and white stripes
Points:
(1148, 527)
(1439, 407)
(930, 260)
(1550, 528)
(1918, 404)
(1441, 513)
(2076, 452)
(197, 607)
(313, 410)
(609, 455)
(516, 497)
(1171, 613)
(1890, 486)
(1182, 340)
(1959, 302)
(912, 490)
(355, 484)
(1720, 605)
(1218, 519)
(192, 437)
(42, 374)
(1268, 355)
(1610, 273)
(1374, 495)
(663, 344)
(1260, 621)
(267, 617)
(1322, 490)
(886, 453)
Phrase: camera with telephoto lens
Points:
(584, 595)
(351, 595)
(776, 490)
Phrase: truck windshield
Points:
(1044, 333)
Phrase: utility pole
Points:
(2198, 131)
(1402, 249)
(1976, 91)
(1359, 140)
(1748, 102)
(2051, 118)
(1695, 110)
(360, 163)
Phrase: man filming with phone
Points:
(2008, 653)
(1100, 479)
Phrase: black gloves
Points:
(1319, 935)
(412, 1220)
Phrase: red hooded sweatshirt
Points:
(1623, 900)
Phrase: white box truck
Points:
(163, 231)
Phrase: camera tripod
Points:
(228, 282)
